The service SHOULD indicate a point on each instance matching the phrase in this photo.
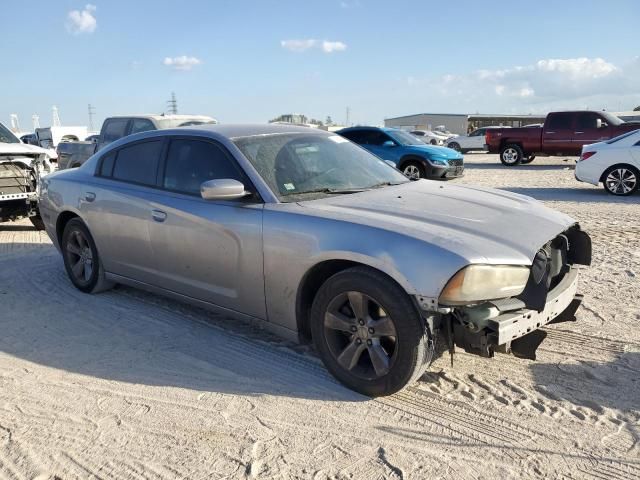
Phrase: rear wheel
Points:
(621, 180)
(81, 259)
(413, 170)
(511, 155)
(368, 333)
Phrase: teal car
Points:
(410, 155)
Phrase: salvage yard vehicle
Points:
(21, 169)
(614, 163)
(563, 133)
(74, 154)
(428, 136)
(321, 241)
(410, 155)
(467, 143)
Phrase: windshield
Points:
(404, 138)
(6, 136)
(299, 166)
(611, 119)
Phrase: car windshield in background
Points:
(404, 138)
(299, 166)
(6, 136)
(621, 137)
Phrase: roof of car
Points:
(364, 127)
(249, 130)
(153, 116)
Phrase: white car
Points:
(466, 143)
(615, 163)
(429, 137)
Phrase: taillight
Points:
(586, 155)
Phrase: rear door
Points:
(118, 207)
(558, 133)
(210, 250)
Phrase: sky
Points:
(250, 61)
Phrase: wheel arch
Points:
(314, 278)
(61, 223)
(618, 165)
(412, 158)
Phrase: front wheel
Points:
(413, 170)
(621, 180)
(511, 155)
(455, 146)
(368, 333)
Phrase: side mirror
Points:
(600, 123)
(223, 189)
(388, 144)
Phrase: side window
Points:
(561, 121)
(138, 163)
(114, 129)
(355, 136)
(378, 138)
(587, 121)
(141, 125)
(106, 165)
(192, 162)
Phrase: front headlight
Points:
(484, 282)
(438, 161)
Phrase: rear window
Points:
(138, 163)
(560, 121)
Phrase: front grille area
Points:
(456, 162)
(14, 179)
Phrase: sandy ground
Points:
(129, 385)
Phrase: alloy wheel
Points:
(412, 172)
(510, 155)
(621, 181)
(79, 256)
(361, 336)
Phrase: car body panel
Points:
(621, 152)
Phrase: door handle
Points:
(578, 132)
(158, 215)
(549, 132)
(89, 196)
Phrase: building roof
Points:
(430, 114)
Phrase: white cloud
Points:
(183, 62)
(302, 45)
(82, 21)
(538, 87)
(298, 45)
(330, 47)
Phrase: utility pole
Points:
(173, 104)
(55, 117)
(92, 112)
(35, 118)
(346, 123)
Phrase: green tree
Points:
(637, 109)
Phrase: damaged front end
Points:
(20, 184)
(512, 325)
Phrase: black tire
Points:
(407, 346)
(433, 142)
(77, 247)
(621, 180)
(413, 170)
(455, 146)
(511, 155)
(528, 160)
(37, 222)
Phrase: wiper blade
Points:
(386, 184)
(335, 191)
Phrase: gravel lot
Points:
(129, 385)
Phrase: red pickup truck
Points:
(563, 133)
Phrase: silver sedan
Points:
(321, 241)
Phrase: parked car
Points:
(615, 163)
(467, 143)
(442, 130)
(411, 156)
(21, 169)
(74, 154)
(430, 137)
(321, 241)
(29, 139)
(563, 133)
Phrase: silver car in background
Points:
(320, 240)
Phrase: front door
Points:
(207, 249)
(587, 131)
(557, 134)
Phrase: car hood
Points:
(21, 149)
(434, 151)
(482, 225)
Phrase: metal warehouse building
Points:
(459, 123)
